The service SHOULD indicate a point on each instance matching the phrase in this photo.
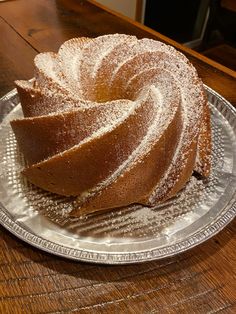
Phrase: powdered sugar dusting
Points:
(118, 76)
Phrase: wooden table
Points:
(202, 280)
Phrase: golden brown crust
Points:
(85, 165)
(150, 169)
(54, 134)
(141, 149)
(204, 149)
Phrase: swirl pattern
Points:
(113, 121)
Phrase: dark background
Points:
(177, 20)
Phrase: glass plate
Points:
(135, 233)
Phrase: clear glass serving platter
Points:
(129, 235)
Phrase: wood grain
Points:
(223, 54)
(202, 280)
(16, 58)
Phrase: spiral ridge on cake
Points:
(114, 121)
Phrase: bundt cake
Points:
(113, 121)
